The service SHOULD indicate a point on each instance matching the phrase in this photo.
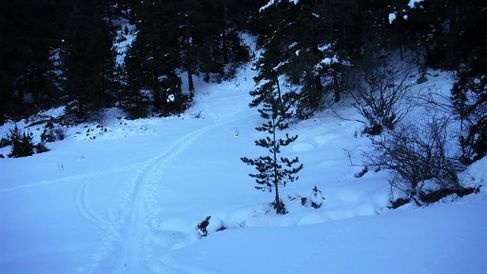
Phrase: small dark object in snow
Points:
(398, 203)
(221, 228)
(202, 227)
(437, 195)
(362, 172)
(373, 130)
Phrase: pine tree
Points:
(153, 58)
(29, 31)
(209, 37)
(301, 41)
(190, 22)
(88, 58)
(274, 170)
(218, 42)
(469, 99)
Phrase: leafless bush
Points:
(417, 159)
(378, 97)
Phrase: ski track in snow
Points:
(124, 247)
(89, 214)
(124, 240)
(129, 252)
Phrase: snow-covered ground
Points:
(126, 196)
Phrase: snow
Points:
(273, 2)
(125, 196)
(403, 242)
(124, 40)
(325, 47)
(392, 17)
(327, 61)
(281, 64)
(413, 3)
(292, 45)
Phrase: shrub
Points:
(314, 199)
(52, 133)
(4, 142)
(378, 95)
(417, 159)
(22, 144)
(469, 100)
(40, 148)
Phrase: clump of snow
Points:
(124, 39)
(272, 2)
(171, 98)
(281, 64)
(325, 47)
(292, 45)
(392, 17)
(414, 3)
(327, 61)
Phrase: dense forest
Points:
(68, 53)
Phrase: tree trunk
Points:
(190, 81)
(80, 109)
(277, 201)
(155, 91)
(188, 61)
(336, 88)
(225, 47)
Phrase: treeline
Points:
(62, 52)
(336, 47)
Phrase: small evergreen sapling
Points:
(22, 143)
(272, 170)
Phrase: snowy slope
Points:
(442, 239)
(125, 197)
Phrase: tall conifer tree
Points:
(88, 57)
(273, 170)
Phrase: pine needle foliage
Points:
(273, 170)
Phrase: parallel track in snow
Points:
(129, 250)
(124, 236)
(89, 214)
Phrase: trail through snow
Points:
(128, 254)
(139, 206)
